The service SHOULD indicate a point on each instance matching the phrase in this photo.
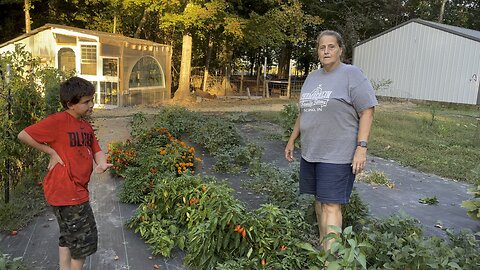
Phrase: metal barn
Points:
(423, 60)
(125, 71)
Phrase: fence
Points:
(248, 85)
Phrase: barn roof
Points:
(463, 32)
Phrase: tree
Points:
(28, 23)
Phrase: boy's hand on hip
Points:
(54, 160)
(101, 168)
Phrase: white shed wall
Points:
(423, 63)
(41, 45)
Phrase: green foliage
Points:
(355, 212)
(23, 107)
(381, 85)
(473, 205)
(398, 243)
(121, 155)
(241, 263)
(177, 120)
(429, 200)
(214, 133)
(377, 178)
(138, 124)
(7, 263)
(281, 185)
(201, 216)
(288, 116)
(26, 202)
(157, 218)
(463, 250)
(234, 159)
(347, 251)
(51, 79)
(211, 236)
(141, 161)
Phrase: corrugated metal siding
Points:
(423, 63)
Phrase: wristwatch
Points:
(362, 144)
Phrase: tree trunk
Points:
(259, 73)
(252, 61)
(28, 22)
(227, 86)
(207, 63)
(114, 24)
(283, 62)
(442, 11)
(141, 24)
(183, 91)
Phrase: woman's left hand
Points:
(359, 160)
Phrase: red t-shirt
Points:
(75, 142)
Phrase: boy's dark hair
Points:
(73, 89)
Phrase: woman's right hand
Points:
(289, 151)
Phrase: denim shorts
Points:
(330, 183)
(78, 230)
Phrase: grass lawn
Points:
(444, 140)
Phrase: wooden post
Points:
(289, 87)
(258, 79)
(265, 83)
(241, 82)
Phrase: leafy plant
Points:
(26, 202)
(51, 80)
(429, 200)
(347, 251)
(377, 178)
(177, 120)
(138, 124)
(380, 85)
(215, 134)
(7, 263)
(473, 205)
(121, 155)
(355, 212)
(234, 159)
(288, 116)
(281, 185)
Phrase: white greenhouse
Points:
(423, 60)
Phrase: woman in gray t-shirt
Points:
(336, 112)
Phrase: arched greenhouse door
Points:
(66, 60)
(146, 73)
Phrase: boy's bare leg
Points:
(77, 264)
(65, 258)
(67, 262)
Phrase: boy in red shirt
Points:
(71, 143)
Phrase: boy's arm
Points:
(24, 137)
(101, 161)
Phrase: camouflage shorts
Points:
(78, 230)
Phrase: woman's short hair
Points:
(337, 36)
(73, 89)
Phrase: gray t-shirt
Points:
(329, 107)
